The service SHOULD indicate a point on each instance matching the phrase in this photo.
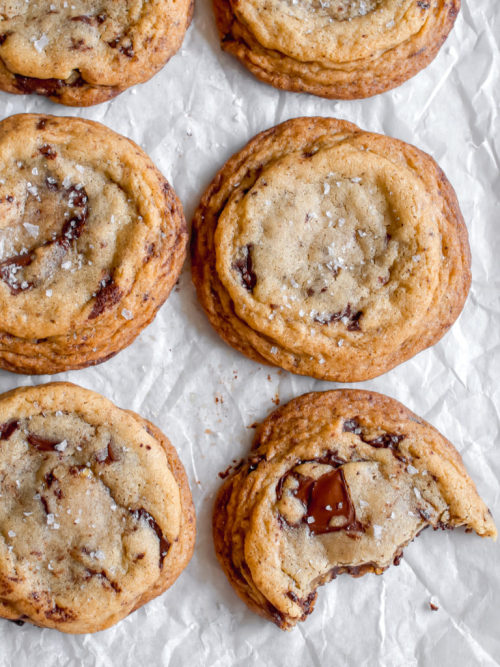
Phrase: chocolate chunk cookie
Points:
(340, 49)
(85, 52)
(92, 239)
(337, 482)
(96, 515)
(330, 251)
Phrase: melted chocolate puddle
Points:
(164, 543)
(325, 498)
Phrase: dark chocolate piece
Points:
(7, 429)
(245, 268)
(164, 543)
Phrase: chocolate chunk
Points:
(164, 543)
(46, 87)
(17, 621)
(351, 426)
(387, 440)
(50, 478)
(41, 124)
(433, 606)
(7, 429)
(127, 51)
(4, 37)
(48, 152)
(245, 268)
(108, 295)
(108, 454)
(347, 316)
(42, 444)
(45, 504)
(104, 575)
(307, 604)
(51, 183)
(254, 462)
(60, 614)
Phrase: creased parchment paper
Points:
(190, 118)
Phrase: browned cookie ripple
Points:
(87, 51)
(330, 251)
(96, 515)
(92, 239)
(337, 482)
(339, 49)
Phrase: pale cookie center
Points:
(326, 243)
(342, 10)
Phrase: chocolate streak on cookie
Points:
(7, 429)
(164, 543)
(245, 268)
(46, 87)
(386, 440)
(108, 295)
(71, 231)
(104, 575)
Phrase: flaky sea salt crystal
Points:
(127, 314)
(60, 447)
(32, 230)
(41, 43)
(377, 532)
(48, 292)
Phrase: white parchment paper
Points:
(200, 109)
